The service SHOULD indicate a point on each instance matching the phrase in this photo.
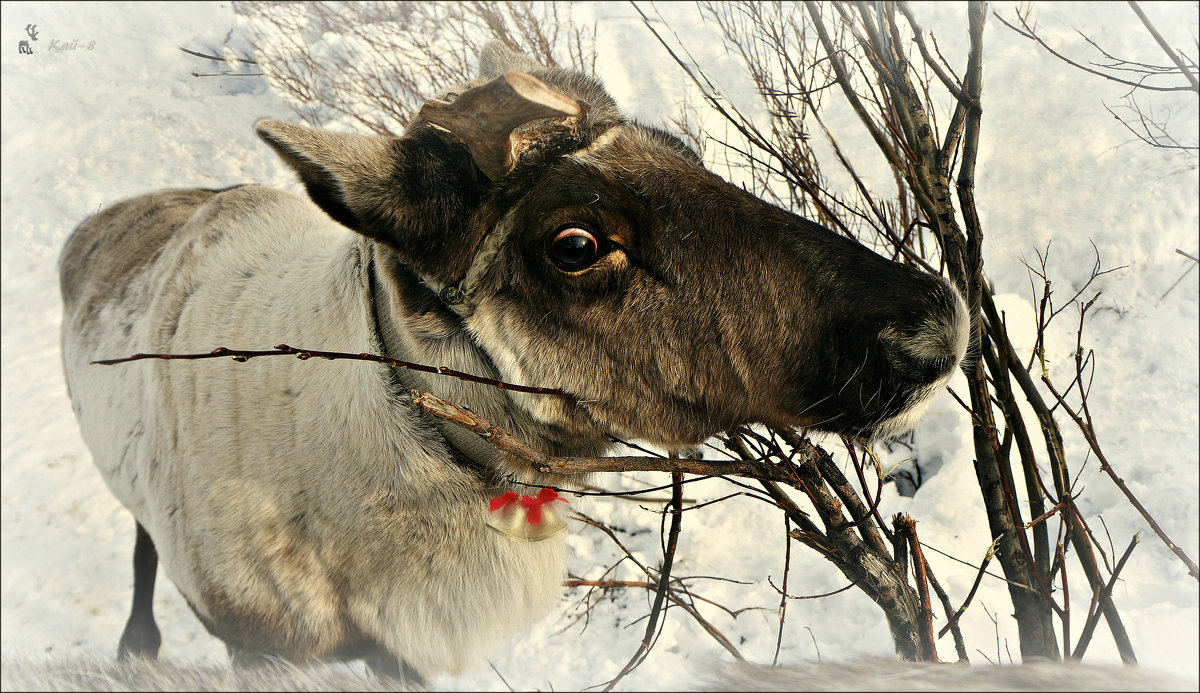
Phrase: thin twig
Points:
(787, 568)
(242, 355)
(1066, 589)
(663, 581)
(645, 584)
(1029, 34)
(1085, 637)
(987, 557)
(1090, 437)
(960, 646)
(1165, 46)
(218, 58)
(816, 596)
(502, 679)
(226, 74)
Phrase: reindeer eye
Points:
(574, 249)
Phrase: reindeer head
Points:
(587, 252)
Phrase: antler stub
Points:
(484, 117)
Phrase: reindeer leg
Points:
(244, 659)
(141, 637)
(387, 666)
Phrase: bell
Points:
(526, 518)
(511, 521)
(550, 525)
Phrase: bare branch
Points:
(1028, 32)
(218, 58)
(987, 558)
(1191, 78)
(908, 527)
(243, 355)
(664, 579)
(1090, 437)
(1085, 637)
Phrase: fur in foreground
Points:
(91, 674)
(891, 675)
(98, 674)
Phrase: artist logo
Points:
(73, 45)
(54, 44)
(25, 48)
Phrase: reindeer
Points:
(521, 229)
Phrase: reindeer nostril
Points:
(916, 360)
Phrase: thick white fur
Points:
(309, 500)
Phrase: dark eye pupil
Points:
(573, 249)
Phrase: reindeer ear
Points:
(332, 166)
(485, 118)
(418, 193)
(414, 193)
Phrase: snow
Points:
(86, 127)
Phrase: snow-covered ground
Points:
(120, 113)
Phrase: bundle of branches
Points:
(891, 74)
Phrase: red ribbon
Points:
(532, 504)
(509, 497)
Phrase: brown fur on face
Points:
(712, 309)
